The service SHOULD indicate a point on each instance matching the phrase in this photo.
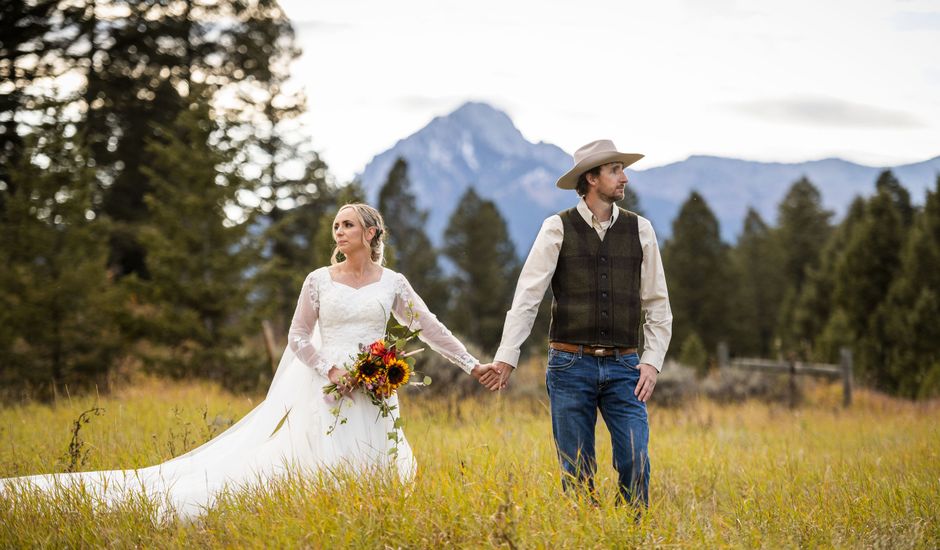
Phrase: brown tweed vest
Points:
(597, 283)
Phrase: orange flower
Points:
(378, 348)
(389, 357)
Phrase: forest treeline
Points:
(155, 208)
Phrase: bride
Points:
(340, 307)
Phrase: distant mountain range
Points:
(479, 146)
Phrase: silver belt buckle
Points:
(599, 352)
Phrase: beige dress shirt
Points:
(537, 275)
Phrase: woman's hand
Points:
(337, 376)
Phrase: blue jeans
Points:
(579, 385)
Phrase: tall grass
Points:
(749, 475)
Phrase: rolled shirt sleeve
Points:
(654, 299)
(534, 280)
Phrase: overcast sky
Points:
(779, 80)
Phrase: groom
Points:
(604, 267)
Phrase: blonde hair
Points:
(368, 218)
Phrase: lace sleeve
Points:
(301, 328)
(411, 310)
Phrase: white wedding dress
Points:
(330, 322)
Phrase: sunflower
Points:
(398, 374)
(370, 370)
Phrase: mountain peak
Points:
(478, 146)
(475, 146)
(477, 124)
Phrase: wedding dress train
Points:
(329, 324)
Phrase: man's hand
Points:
(644, 387)
(497, 375)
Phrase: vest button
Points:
(603, 259)
(604, 313)
(603, 295)
(603, 275)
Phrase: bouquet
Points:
(378, 370)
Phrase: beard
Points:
(617, 195)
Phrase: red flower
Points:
(378, 348)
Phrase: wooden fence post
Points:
(845, 358)
(792, 382)
(722, 355)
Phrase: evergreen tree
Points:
(802, 230)
(294, 209)
(912, 308)
(700, 279)
(27, 53)
(140, 61)
(198, 257)
(864, 274)
(58, 306)
(477, 242)
(901, 197)
(414, 254)
(693, 354)
(815, 323)
(757, 261)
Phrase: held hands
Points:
(646, 383)
(495, 376)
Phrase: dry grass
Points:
(747, 475)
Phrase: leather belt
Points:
(590, 350)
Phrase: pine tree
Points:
(912, 308)
(198, 257)
(803, 227)
(58, 305)
(700, 280)
(140, 61)
(815, 322)
(415, 256)
(693, 354)
(28, 50)
(864, 274)
(757, 261)
(294, 209)
(901, 197)
(477, 242)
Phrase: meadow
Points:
(724, 475)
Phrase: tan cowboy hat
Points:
(592, 155)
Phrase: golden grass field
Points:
(745, 475)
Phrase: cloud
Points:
(422, 103)
(917, 21)
(314, 25)
(827, 111)
(717, 9)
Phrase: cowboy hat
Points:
(592, 155)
